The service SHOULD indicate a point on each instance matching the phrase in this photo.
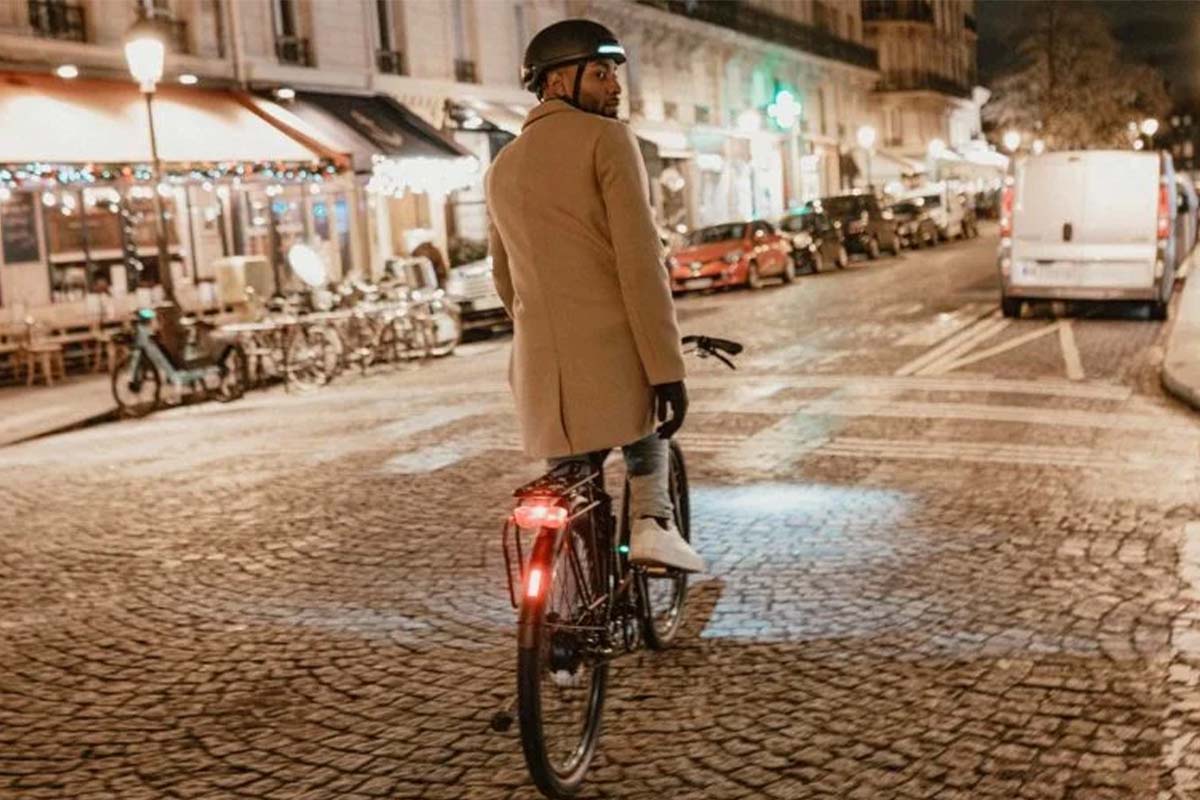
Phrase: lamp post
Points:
(866, 140)
(145, 53)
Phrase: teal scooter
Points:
(210, 366)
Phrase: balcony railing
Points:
(897, 11)
(57, 20)
(293, 50)
(744, 18)
(464, 71)
(922, 81)
(390, 61)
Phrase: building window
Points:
(464, 36)
(389, 56)
(57, 19)
(290, 46)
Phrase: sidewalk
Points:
(1181, 364)
(28, 412)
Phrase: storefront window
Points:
(274, 219)
(86, 239)
(211, 236)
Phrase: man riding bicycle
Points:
(576, 259)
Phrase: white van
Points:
(1090, 225)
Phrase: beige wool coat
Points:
(577, 261)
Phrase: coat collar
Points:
(546, 109)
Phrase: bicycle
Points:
(581, 603)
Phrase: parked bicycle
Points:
(581, 603)
(208, 366)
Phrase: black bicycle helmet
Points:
(568, 42)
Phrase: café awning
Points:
(365, 126)
(47, 119)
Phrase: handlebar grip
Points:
(712, 343)
(731, 347)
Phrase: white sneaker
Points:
(649, 543)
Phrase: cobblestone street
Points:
(951, 555)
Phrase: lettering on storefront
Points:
(18, 228)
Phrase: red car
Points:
(732, 254)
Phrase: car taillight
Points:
(1164, 212)
(540, 514)
(1006, 212)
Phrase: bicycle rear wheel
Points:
(664, 591)
(560, 679)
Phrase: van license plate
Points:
(698, 283)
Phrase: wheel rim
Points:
(233, 379)
(135, 398)
(560, 711)
(308, 358)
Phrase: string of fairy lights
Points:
(43, 176)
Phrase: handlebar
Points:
(707, 346)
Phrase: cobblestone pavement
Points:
(951, 556)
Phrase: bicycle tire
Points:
(135, 377)
(661, 619)
(234, 374)
(535, 681)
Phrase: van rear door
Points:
(1086, 219)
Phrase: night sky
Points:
(1162, 33)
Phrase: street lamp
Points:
(1150, 126)
(866, 140)
(1012, 140)
(145, 53)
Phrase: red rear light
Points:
(1006, 212)
(1164, 212)
(533, 586)
(540, 513)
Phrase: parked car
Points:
(949, 208)
(863, 226)
(732, 254)
(1091, 225)
(471, 286)
(816, 241)
(915, 226)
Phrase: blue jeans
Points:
(646, 463)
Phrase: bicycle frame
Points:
(590, 505)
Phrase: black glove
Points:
(674, 397)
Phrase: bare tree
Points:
(1071, 85)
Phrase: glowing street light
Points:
(1149, 126)
(1012, 140)
(1039, 146)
